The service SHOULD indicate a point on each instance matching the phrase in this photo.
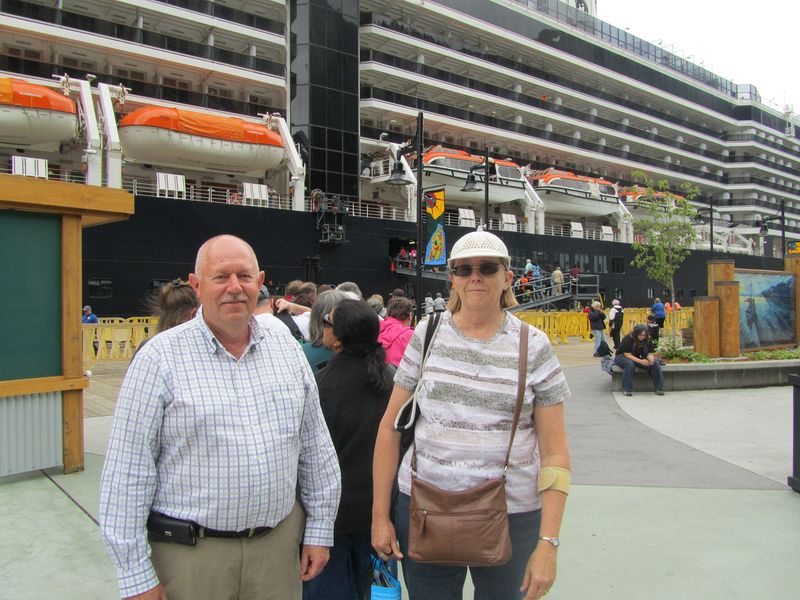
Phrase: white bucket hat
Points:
(479, 243)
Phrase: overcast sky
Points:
(748, 42)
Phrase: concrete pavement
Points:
(680, 496)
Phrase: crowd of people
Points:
(253, 451)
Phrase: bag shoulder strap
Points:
(286, 319)
(428, 337)
(521, 378)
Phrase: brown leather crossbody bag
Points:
(469, 527)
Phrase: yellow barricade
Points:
(559, 326)
(114, 339)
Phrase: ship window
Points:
(618, 293)
(157, 283)
(74, 63)
(650, 293)
(24, 53)
(129, 74)
(571, 183)
(100, 288)
(176, 83)
(617, 264)
(679, 293)
(221, 92)
(601, 264)
(692, 293)
(608, 190)
(666, 295)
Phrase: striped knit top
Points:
(466, 403)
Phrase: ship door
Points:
(311, 268)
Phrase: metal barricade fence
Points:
(117, 338)
(114, 338)
(559, 326)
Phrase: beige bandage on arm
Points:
(554, 478)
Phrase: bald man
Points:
(217, 425)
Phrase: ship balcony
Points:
(203, 53)
(32, 68)
(545, 137)
(226, 13)
(382, 63)
(377, 30)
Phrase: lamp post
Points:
(782, 218)
(710, 210)
(398, 177)
(472, 186)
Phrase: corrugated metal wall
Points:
(30, 433)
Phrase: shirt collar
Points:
(214, 345)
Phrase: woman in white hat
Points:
(466, 406)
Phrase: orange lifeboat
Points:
(568, 194)
(34, 116)
(183, 139)
(449, 168)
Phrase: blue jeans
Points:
(427, 582)
(599, 337)
(629, 367)
(348, 574)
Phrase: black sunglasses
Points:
(326, 320)
(484, 269)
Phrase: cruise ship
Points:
(255, 117)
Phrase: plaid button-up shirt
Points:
(199, 435)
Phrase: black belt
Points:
(204, 532)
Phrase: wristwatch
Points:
(553, 540)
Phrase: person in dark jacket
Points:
(634, 353)
(615, 320)
(597, 323)
(354, 390)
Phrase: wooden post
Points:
(706, 325)
(728, 293)
(791, 264)
(78, 206)
(71, 347)
(721, 269)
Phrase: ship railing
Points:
(380, 168)
(566, 231)
(204, 193)
(54, 173)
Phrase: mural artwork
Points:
(766, 309)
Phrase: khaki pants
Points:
(266, 567)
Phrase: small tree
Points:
(666, 234)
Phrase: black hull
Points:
(160, 242)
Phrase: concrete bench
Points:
(717, 375)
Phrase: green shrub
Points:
(785, 354)
(670, 351)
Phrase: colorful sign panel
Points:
(435, 250)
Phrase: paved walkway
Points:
(676, 497)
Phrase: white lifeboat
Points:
(182, 139)
(34, 116)
(449, 168)
(565, 193)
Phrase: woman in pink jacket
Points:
(395, 331)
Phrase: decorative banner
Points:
(792, 248)
(435, 251)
